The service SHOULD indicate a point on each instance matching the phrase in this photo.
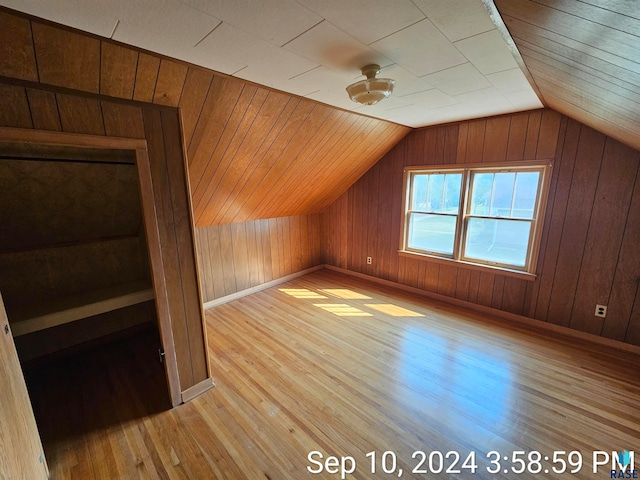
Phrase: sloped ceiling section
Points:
(256, 153)
(253, 153)
(584, 57)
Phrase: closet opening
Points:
(82, 278)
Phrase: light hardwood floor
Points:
(333, 364)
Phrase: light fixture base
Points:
(371, 90)
(370, 71)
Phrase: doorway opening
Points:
(80, 272)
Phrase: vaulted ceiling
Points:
(253, 152)
(584, 57)
(260, 152)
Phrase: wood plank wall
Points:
(243, 255)
(83, 215)
(253, 152)
(223, 120)
(49, 109)
(590, 252)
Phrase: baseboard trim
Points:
(200, 387)
(258, 288)
(526, 321)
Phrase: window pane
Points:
(419, 198)
(433, 233)
(502, 194)
(481, 199)
(501, 241)
(436, 187)
(438, 193)
(453, 183)
(525, 197)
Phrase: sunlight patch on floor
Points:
(342, 310)
(301, 293)
(345, 293)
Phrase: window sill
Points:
(471, 266)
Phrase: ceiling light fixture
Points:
(371, 90)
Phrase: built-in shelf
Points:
(69, 309)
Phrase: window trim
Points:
(457, 258)
(405, 220)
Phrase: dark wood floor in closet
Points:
(87, 404)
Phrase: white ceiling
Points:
(448, 58)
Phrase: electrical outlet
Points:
(368, 260)
(601, 311)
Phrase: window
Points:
(477, 215)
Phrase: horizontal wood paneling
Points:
(253, 152)
(16, 37)
(66, 58)
(44, 110)
(33, 276)
(586, 255)
(584, 58)
(87, 331)
(64, 220)
(15, 107)
(235, 257)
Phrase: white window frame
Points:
(464, 214)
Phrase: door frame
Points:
(22, 454)
(137, 148)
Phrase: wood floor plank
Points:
(334, 364)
